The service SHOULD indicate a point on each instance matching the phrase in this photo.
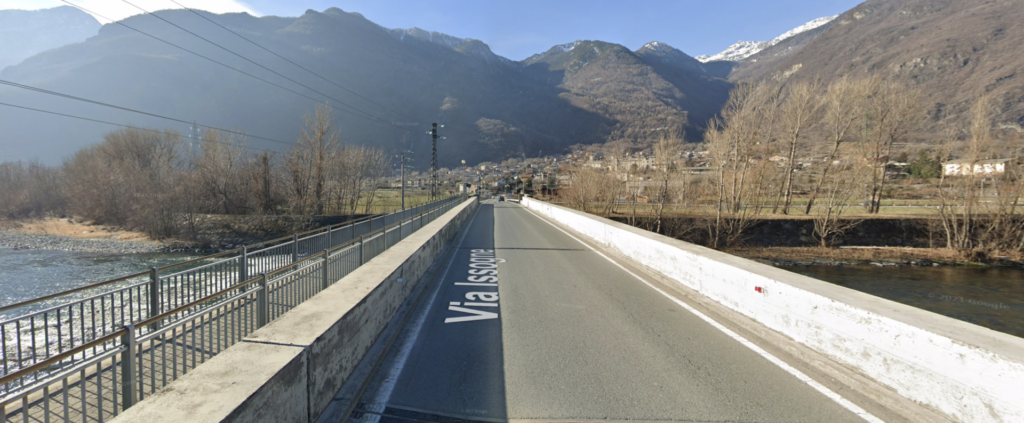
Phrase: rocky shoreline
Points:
(884, 263)
(13, 239)
(867, 256)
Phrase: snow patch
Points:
(745, 49)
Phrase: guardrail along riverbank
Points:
(91, 352)
(292, 369)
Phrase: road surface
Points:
(526, 323)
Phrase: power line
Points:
(113, 106)
(289, 61)
(357, 110)
(125, 126)
(214, 61)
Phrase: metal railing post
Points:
(154, 292)
(243, 266)
(362, 251)
(327, 261)
(295, 248)
(129, 367)
(330, 237)
(263, 302)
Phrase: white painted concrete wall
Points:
(968, 372)
(290, 369)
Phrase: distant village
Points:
(549, 174)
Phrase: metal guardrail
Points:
(89, 358)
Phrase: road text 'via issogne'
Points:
(481, 300)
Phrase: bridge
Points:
(504, 311)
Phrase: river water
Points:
(28, 274)
(989, 297)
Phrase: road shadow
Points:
(454, 368)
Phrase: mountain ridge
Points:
(744, 49)
(493, 107)
(25, 33)
(952, 51)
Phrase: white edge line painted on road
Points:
(775, 360)
(384, 393)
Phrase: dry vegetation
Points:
(851, 131)
(159, 184)
(74, 229)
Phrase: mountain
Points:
(664, 53)
(644, 95)
(492, 107)
(25, 33)
(744, 49)
(953, 51)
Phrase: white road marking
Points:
(384, 393)
(474, 315)
(845, 403)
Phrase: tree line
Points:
(162, 183)
(851, 131)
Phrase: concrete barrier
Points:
(970, 373)
(289, 370)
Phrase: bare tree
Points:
(842, 108)
(837, 189)
(961, 201)
(800, 110)
(127, 180)
(892, 112)
(666, 151)
(738, 143)
(375, 167)
(222, 172)
(307, 162)
(585, 190)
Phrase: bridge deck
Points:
(566, 334)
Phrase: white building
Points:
(964, 167)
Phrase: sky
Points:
(517, 29)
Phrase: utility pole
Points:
(403, 181)
(434, 188)
(435, 184)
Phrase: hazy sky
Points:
(516, 29)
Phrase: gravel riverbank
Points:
(10, 238)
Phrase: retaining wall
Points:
(970, 373)
(289, 370)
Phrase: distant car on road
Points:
(501, 198)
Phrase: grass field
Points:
(389, 200)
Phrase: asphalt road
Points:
(554, 331)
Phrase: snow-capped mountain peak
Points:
(654, 45)
(567, 47)
(744, 49)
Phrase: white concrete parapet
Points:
(970, 373)
(290, 369)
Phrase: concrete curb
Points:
(967, 372)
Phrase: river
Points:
(28, 274)
(992, 297)
(989, 297)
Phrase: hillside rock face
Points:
(642, 96)
(25, 33)
(952, 50)
(493, 108)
